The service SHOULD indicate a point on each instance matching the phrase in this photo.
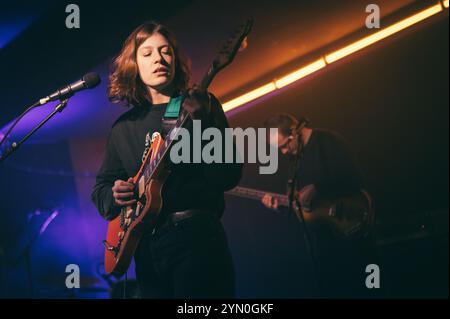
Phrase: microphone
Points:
(88, 81)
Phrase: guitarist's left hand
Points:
(197, 103)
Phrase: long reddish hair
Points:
(125, 82)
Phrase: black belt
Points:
(176, 217)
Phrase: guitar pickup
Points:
(129, 212)
(336, 210)
(141, 186)
(138, 209)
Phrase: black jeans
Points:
(188, 259)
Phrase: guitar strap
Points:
(173, 108)
(168, 121)
(171, 115)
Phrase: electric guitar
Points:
(348, 216)
(125, 231)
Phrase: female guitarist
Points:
(186, 255)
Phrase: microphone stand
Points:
(14, 146)
(26, 252)
(293, 198)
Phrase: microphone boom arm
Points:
(14, 146)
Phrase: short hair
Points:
(125, 82)
(284, 122)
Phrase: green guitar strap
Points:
(170, 117)
(173, 108)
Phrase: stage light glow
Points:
(382, 34)
(335, 56)
(300, 73)
(250, 96)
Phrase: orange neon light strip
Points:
(334, 56)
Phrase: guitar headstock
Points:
(231, 46)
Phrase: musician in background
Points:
(188, 254)
(323, 167)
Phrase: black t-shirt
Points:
(328, 164)
(189, 186)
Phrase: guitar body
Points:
(346, 216)
(125, 231)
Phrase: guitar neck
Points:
(256, 194)
(207, 79)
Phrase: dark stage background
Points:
(389, 101)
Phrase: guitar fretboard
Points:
(257, 194)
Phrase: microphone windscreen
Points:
(91, 80)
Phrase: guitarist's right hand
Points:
(270, 201)
(123, 192)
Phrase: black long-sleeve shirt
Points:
(328, 164)
(189, 186)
